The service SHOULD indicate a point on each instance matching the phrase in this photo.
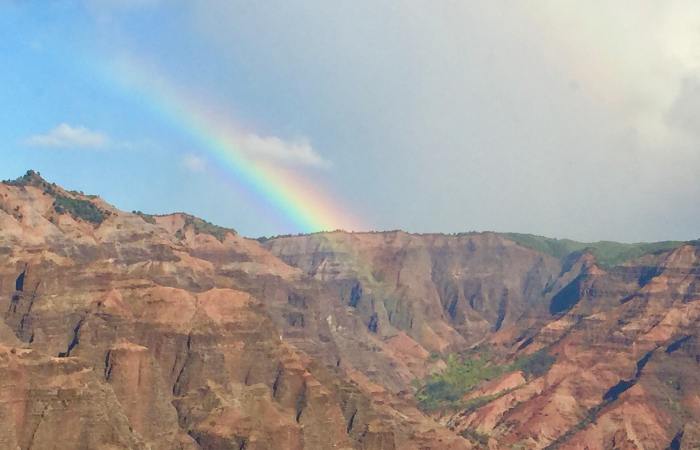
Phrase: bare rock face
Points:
(140, 388)
(57, 403)
(626, 372)
(443, 291)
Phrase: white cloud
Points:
(277, 151)
(269, 149)
(65, 136)
(635, 56)
(194, 163)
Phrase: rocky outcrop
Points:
(58, 403)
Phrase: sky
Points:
(569, 119)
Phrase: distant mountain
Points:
(607, 253)
(134, 331)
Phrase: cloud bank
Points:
(566, 118)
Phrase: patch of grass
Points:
(607, 253)
(79, 209)
(475, 437)
(202, 226)
(76, 193)
(146, 217)
(444, 391)
(460, 377)
(535, 364)
(434, 357)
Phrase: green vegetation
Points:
(79, 209)
(76, 193)
(461, 377)
(378, 276)
(475, 437)
(76, 207)
(608, 254)
(32, 178)
(24, 180)
(443, 391)
(199, 226)
(202, 226)
(146, 217)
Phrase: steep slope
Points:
(627, 365)
(585, 357)
(446, 292)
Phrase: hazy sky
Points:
(576, 119)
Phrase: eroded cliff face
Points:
(446, 292)
(129, 331)
(152, 332)
(627, 367)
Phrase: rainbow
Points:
(293, 197)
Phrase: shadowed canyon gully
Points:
(129, 331)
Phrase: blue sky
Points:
(556, 118)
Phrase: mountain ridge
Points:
(608, 253)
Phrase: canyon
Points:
(123, 330)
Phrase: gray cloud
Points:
(685, 110)
(451, 116)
